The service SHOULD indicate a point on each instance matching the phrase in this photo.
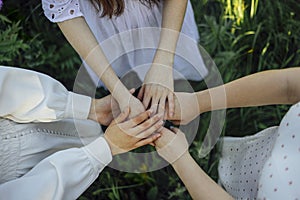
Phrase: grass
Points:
(242, 36)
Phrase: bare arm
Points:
(173, 16)
(88, 48)
(197, 182)
(173, 147)
(158, 87)
(263, 88)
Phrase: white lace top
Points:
(265, 165)
(130, 40)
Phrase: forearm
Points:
(197, 182)
(264, 88)
(172, 20)
(90, 50)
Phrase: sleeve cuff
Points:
(99, 152)
(78, 106)
(62, 19)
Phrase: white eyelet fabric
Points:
(61, 10)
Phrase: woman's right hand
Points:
(186, 108)
(125, 134)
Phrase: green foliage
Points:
(29, 40)
(245, 37)
(242, 36)
(10, 42)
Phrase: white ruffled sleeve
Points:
(29, 96)
(64, 175)
(61, 10)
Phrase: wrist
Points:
(204, 101)
(168, 39)
(164, 57)
(182, 160)
(121, 94)
(92, 114)
(110, 145)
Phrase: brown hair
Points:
(116, 7)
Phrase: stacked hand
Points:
(125, 134)
(104, 110)
(158, 89)
(186, 108)
(135, 127)
(135, 105)
(171, 145)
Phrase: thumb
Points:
(122, 117)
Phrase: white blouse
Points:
(264, 165)
(27, 96)
(53, 160)
(130, 40)
(63, 175)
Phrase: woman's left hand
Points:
(125, 134)
(158, 88)
(172, 144)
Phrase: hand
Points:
(186, 108)
(104, 110)
(124, 135)
(158, 88)
(171, 145)
(135, 105)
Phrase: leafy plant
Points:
(29, 40)
(10, 42)
(242, 37)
